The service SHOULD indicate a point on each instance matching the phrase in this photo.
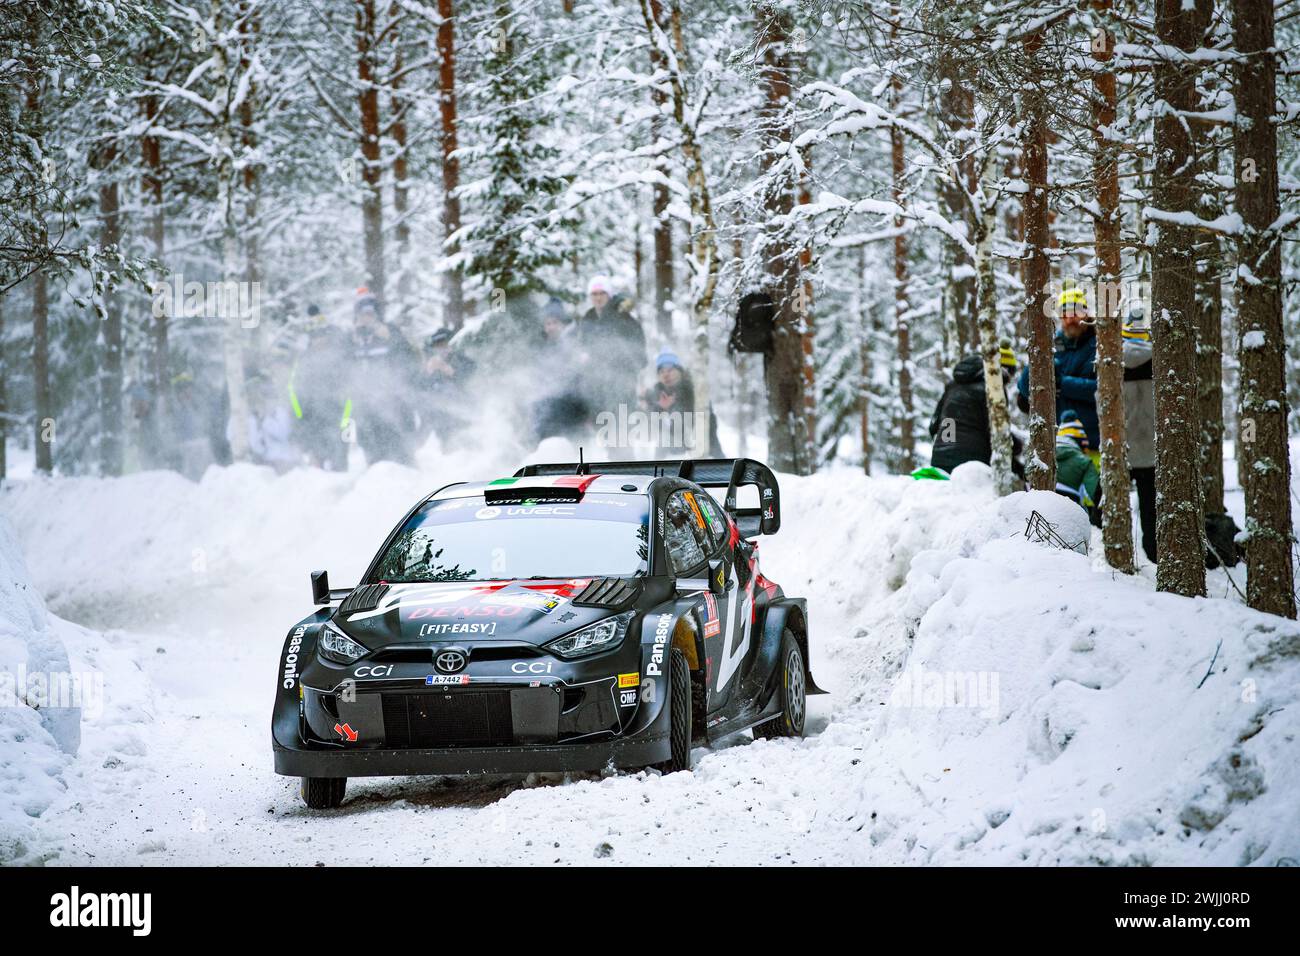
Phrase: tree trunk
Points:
(372, 200)
(43, 414)
(788, 440)
(4, 396)
(995, 394)
(227, 188)
(452, 285)
(402, 227)
(1117, 514)
(1040, 458)
(1179, 530)
(807, 329)
(661, 198)
(957, 107)
(1209, 361)
(110, 365)
(1270, 576)
(249, 229)
(864, 359)
(152, 182)
(902, 308)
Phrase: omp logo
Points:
(74, 908)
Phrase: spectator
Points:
(445, 376)
(960, 424)
(671, 402)
(609, 348)
(383, 372)
(1076, 475)
(561, 408)
(1140, 424)
(270, 427)
(1076, 367)
(317, 396)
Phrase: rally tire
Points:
(679, 711)
(323, 793)
(791, 693)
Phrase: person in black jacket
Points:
(960, 424)
(383, 370)
(609, 348)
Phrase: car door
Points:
(736, 606)
(695, 532)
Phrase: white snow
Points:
(993, 700)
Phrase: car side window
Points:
(685, 536)
(717, 520)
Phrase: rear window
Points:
(464, 539)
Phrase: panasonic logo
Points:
(75, 908)
(662, 632)
(291, 659)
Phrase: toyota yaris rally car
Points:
(571, 617)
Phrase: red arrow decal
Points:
(346, 731)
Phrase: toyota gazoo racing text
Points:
(572, 617)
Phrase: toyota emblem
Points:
(449, 661)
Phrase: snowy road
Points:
(1112, 725)
(193, 785)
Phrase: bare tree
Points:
(790, 446)
(1179, 528)
(1117, 516)
(453, 287)
(1261, 344)
(1040, 460)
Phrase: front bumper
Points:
(503, 714)
(299, 761)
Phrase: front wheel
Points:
(792, 693)
(679, 709)
(323, 793)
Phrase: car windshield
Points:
(463, 539)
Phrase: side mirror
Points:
(320, 587)
(691, 585)
(717, 575)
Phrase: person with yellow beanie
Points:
(1076, 366)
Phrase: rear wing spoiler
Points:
(728, 473)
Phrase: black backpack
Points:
(755, 319)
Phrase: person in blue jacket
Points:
(1076, 367)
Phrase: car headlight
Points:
(592, 639)
(338, 647)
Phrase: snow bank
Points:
(995, 700)
(36, 738)
(1038, 710)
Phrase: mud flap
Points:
(790, 612)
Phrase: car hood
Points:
(533, 612)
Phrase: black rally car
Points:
(571, 617)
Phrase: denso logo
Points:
(467, 611)
(663, 630)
